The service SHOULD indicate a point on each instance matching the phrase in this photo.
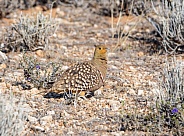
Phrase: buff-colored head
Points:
(100, 52)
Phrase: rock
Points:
(132, 92)
(120, 133)
(95, 25)
(2, 66)
(99, 34)
(27, 107)
(52, 134)
(132, 69)
(34, 91)
(46, 118)
(117, 63)
(2, 79)
(113, 67)
(81, 113)
(43, 123)
(47, 128)
(70, 133)
(32, 119)
(38, 128)
(64, 68)
(140, 92)
(140, 53)
(60, 12)
(61, 123)
(63, 47)
(156, 91)
(111, 55)
(115, 105)
(123, 46)
(40, 53)
(50, 112)
(126, 28)
(101, 127)
(98, 92)
(3, 57)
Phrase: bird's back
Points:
(86, 76)
(81, 77)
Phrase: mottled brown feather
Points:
(86, 76)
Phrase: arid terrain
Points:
(132, 86)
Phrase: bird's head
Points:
(100, 52)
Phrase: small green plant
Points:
(40, 75)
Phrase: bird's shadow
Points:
(54, 95)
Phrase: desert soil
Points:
(132, 78)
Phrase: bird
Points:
(84, 77)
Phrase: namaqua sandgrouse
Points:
(85, 77)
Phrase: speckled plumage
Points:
(87, 76)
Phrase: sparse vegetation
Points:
(9, 6)
(12, 115)
(40, 75)
(29, 33)
(168, 22)
(123, 106)
(170, 99)
(166, 113)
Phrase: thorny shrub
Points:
(29, 33)
(168, 21)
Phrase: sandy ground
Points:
(132, 78)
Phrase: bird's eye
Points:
(100, 48)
